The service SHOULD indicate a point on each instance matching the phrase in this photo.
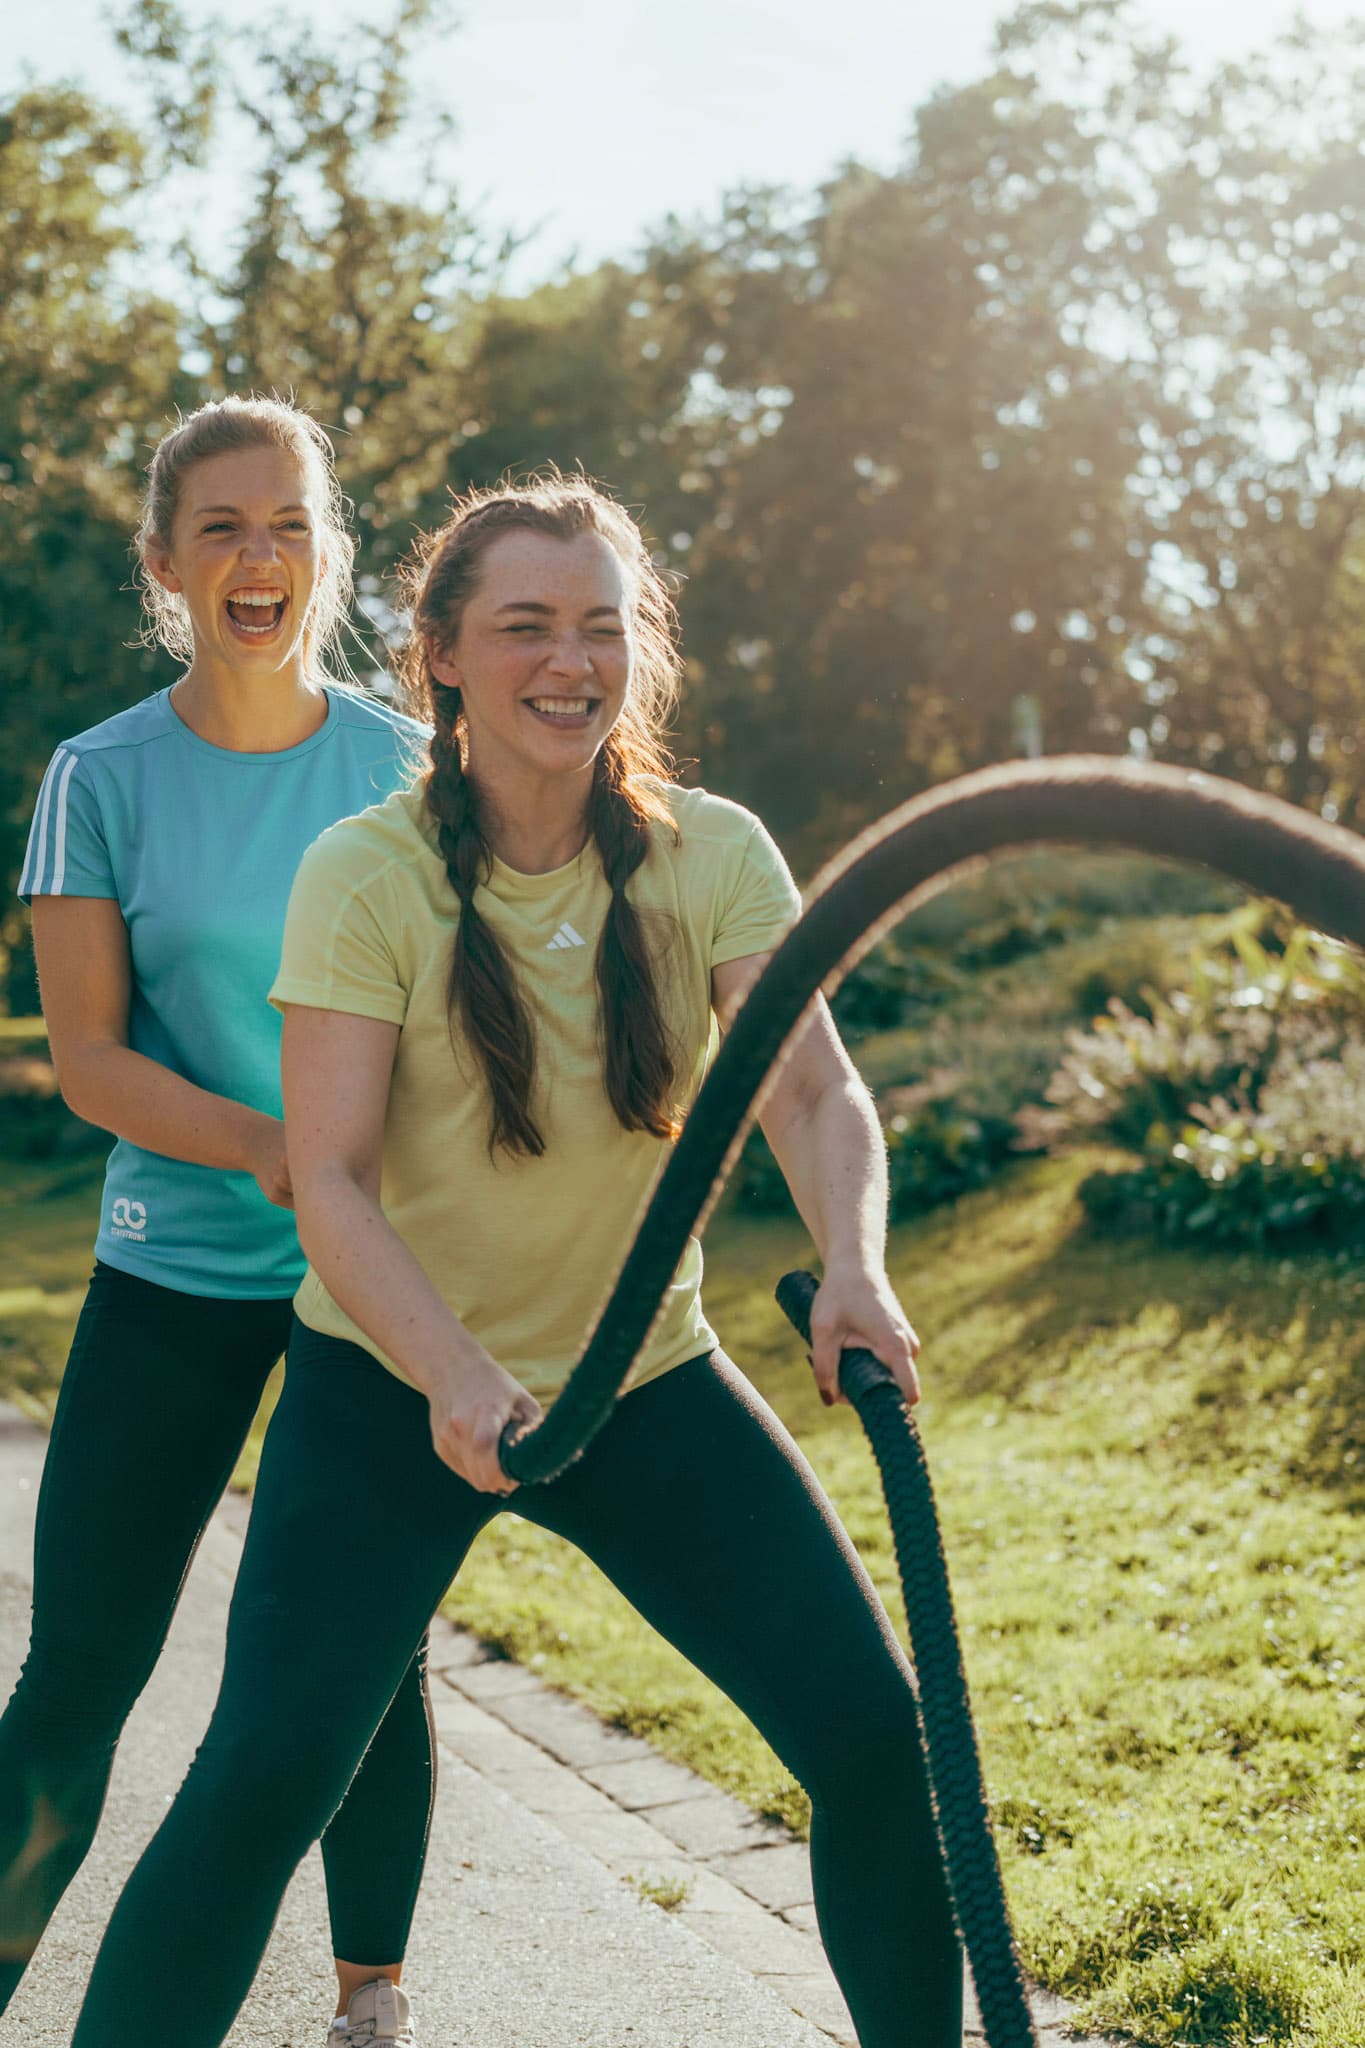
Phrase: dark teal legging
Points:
(158, 1395)
(699, 1506)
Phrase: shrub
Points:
(945, 1150)
(944, 1135)
(1244, 1094)
(1130, 964)
(1027, 928)
(889, 987)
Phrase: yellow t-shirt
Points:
(525, 1251)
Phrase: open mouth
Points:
(562, 711)
(256, 614)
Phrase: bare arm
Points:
(84, 971)
(337, 1069)
(820, 1122)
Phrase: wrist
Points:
(250, 1131)
(446, 1366)
(853, 1262)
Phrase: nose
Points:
(258, 547)
(570, 656)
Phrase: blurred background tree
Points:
(1050, 439)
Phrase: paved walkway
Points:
(532, 1930)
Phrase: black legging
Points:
(159, 1393)
(699, 1506)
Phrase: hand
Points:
(855, 1306)
(269, 1165)
(471, 1404)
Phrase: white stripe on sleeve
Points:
(59, 836)
(30, 881)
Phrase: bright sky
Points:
(595, 118)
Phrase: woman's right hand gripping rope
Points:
(472, 1401)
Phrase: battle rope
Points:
(957, 1787)
(1270, 847)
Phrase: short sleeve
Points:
(761, 903)
(336, 955)
(68, 854)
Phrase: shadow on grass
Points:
(1268, 1354)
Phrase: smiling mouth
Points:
(256, 614)
(562, 710)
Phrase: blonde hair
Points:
(222, 427)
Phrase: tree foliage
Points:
(87, 371)
(1050, 438)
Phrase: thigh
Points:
(158, 1395)
(356, 1531)
(700, 1507)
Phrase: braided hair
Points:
(639, 1061)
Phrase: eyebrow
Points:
(547, 611)
(204, 511)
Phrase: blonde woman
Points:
(163, 848)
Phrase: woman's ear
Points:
(160, 567)
(445, 668)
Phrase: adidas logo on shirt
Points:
(565, 936)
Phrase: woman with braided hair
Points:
(501, 991)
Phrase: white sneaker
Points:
(377, 2013)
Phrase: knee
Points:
(873, 1752)
(264, 1779)
(56, 1752)
(68, 1701)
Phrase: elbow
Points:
(306, 1219)
(81, 1096)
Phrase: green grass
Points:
(668, 1893)
(1151, 1469)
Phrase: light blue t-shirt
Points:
(198, 846)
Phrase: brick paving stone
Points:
(496, 1679)
(480, 1739)
(818, 2000)
(710, 1825)
(643, 1781)
(622, 1841)
(454, 1649)
(778, 1877)
(766, 1944)
(567, 1730)
(550, 1790)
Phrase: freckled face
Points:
(544, 652)
(246, 555)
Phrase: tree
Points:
(1226, 263)
(87, 369)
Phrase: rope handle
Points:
(860, 1370)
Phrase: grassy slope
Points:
(1151, 1469)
